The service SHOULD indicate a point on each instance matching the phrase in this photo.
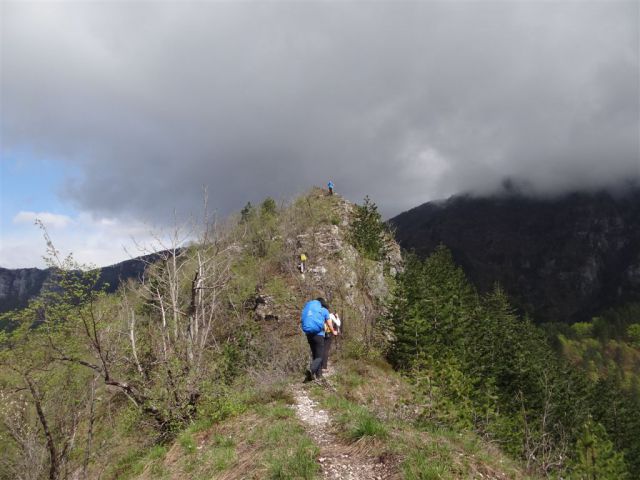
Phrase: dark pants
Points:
(325, 351)
(316, 342)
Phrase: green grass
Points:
(296, 461)
(220, 457)
(127, 467)
(417, 466)
(286, 450)
(275, 446)
(187, 442)
(366, 425)
(356, 421)
(157, 452)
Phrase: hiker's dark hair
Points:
(323, 302)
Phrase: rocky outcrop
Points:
(336, 269)
(560, 259)
(264, 308)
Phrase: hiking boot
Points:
(308, 376)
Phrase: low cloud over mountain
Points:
(407, 102)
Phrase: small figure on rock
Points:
(330, 185)
(331, 329)
(312, 319)
(303, 260)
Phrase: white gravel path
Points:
(336, 462)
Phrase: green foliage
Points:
(596, 457)
(268, 207)
(247, 213)
(582, 329)
(633, 333)
(432, 309)
(618, 410)
(445, 389)
(367, 231)
(605, 351)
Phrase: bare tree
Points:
(545, 441)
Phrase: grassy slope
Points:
(375, 404)
(373, 412)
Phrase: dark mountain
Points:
(559, 259)
(18, 286)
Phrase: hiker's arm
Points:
(331, 327)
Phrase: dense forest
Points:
(570, 404)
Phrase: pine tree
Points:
(367, 230)
(596, 458)
(432, 311)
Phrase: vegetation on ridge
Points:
(187, 373)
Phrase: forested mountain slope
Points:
(560, 259)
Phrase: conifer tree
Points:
(367, 230)
(596, 457)
(433, 309)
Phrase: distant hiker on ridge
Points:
(312, 319)
(330, 185)
(303, 259)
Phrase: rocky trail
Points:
(338, 460)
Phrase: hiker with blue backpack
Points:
(330, 187)
(313, 319)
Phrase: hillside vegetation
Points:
(193, 372)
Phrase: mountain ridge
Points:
(19, 286)
(562, 258)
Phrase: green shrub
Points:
(268, 207)
(367, 231)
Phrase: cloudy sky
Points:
(115, 114)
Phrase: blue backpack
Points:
(313, 317)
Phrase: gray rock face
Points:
(18, 286)
(559, 259)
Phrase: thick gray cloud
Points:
(406, 102)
